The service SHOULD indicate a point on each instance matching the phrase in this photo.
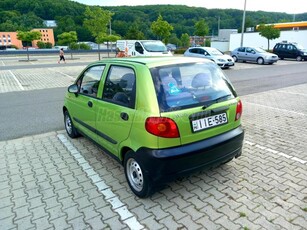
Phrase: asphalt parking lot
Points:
(50, 181)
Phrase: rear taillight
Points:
(239, 110)
(162, 127)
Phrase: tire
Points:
(260, 61)
(299, 58)
(235, 58)
(138, 181)
(69, 126)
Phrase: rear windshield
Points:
(189, 85)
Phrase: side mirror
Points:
(73, 89)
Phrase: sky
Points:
(290, 7)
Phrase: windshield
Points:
(300, 47)
(154, 46)
(190, 85)
(215, 52)
(259, 50)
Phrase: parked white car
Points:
(223, 60)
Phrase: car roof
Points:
(151, 61)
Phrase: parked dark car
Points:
(290, 50)
(253, 54)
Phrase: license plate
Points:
(209, 122)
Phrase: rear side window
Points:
(189, 85)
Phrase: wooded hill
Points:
(128, 20)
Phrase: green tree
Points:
(162, 29)
(68, 38)
(134, 32)
(269, 32)
(185, 40)
(174, 40)
(28, 37)
(103, 37)
(41, 45)
(97, 21)
(201, 28)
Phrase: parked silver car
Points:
(223, 60)
(251, 54)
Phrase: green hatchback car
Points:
(160, 117)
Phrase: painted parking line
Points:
(120, 208)
(15, 78)
(296, 159)
(270, 107)
(63, 74)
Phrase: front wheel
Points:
(138, 181)
(260, 61)
(299, 58)
(69, 126)
(235, 58)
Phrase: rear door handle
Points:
(90, 104)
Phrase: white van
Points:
(143, 48)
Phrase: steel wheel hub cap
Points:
(135, 175)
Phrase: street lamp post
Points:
(243, 23)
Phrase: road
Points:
(31, 112)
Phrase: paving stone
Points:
(158, 212)
(207, 223)
(151, 223)
(7, 223)
(189, 223)
(114, 223)
(211, 212)
(170, 223)
(42, 223)
(96, 223)
(24, 223)
(226, 223)
(78, 223)
(106, 213)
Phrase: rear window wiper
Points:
(216, 101)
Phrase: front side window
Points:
(189, 85)
(139, 48)
(119, 87)
(88, 83)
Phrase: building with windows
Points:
(9, 39)
(47, 36)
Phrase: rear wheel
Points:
(138, 181)
(69, 126)
(299, 58)
(260, 61)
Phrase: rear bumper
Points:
(164, 165)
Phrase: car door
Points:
(241, 53)
(82, 105)
(117, 107)
(250, 55)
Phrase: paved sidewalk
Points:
(50, 181)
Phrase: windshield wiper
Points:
(216, 101)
